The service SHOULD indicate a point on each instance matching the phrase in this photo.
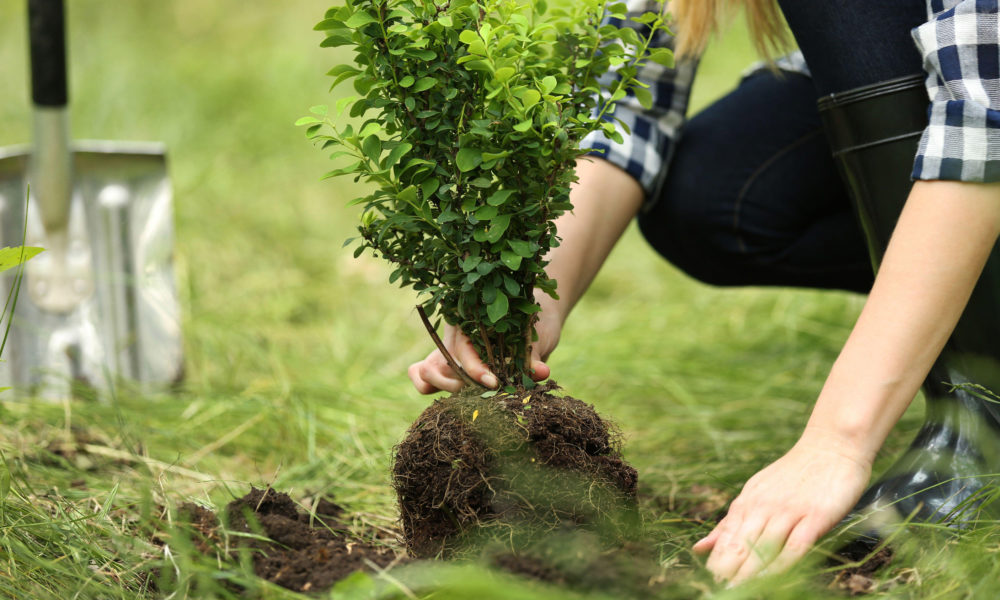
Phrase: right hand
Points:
(433, 374)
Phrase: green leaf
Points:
(327, 24)
(511, 286)
(395, 154)
(485, 213)
(499, 197)
(447, 216)
(372, 147)
(406, 81)
(489, 293)
(529, 97)
(15, 255)
(468, 159)
(662, 56)
(479, 65)
(528, 308)
(644, 96)
(495, 155)
(523, 126)
(497, 228)
(409, 195)
(521, 247)
(424, 83)
(343, 102)
(468, 36)
(359, 19)
(307, 120)
(370, 128)
(352, 168)
(511, 260)
(470, 263)
(503, 74)
(429, 187)
(548, 84)
(498, 308)
(446, 21)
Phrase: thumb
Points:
(539, 370)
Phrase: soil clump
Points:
(512, 465)
(302, 552)
(860, 579)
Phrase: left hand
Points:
(786, 507)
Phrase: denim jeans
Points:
(753, 196)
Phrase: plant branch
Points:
(488, 347)
(444, 351)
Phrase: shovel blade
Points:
(115, 315)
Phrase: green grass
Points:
(296, 353)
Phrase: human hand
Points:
(433, 373)
(785, 508)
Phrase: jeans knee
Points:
(683, 228)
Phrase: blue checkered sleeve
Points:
(960, 46)
(645, 152)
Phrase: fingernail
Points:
(490, 380)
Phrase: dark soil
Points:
(306, 553)
(860, 579)
(474, 468)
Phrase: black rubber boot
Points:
(947, 474)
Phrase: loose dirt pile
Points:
(869, 560)
(306, 553)
(507, 466)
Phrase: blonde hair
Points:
(696, 20)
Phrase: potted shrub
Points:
(467, 123)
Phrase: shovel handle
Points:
(47, 32)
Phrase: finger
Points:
(705, 544)
(767, 548)
(418, 382)
(539, 370)
(467, 356)
(800, 540)
(734, 548)
(435, 372)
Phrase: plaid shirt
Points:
(960, 46)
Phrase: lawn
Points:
(296, 353)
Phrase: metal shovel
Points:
(101, 306)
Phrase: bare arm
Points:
(604, 201)
(937, 252)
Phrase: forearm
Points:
(936, 254)
(604, 201)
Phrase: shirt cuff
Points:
(644, 151)
(960, 143)
(640, 154)
(960, 48)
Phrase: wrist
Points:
(552, 310)
(849, 444)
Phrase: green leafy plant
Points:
(468, 121)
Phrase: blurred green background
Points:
(296, 353)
